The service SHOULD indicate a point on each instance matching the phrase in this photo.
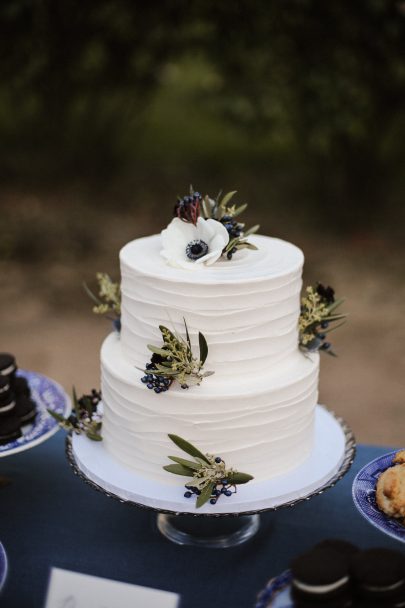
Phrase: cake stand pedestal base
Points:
(215, 533)
(231, 521)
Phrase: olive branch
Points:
(175, 358)
(210, 477)
(318, 318)
(220, 210)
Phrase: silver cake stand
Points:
(231, 521)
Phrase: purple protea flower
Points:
(188, 208)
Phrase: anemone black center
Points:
(196, 249)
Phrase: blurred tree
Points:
(321, 84)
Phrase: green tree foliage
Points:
(319, 84)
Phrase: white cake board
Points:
(332, 455)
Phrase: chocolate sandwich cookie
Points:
(5, 386)
(20, 387)
(25, 410)
(7, 403)
(379, 577)
(321, 577)
(8, 365)
(10, 429)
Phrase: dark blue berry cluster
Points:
(188, 207)
(222, 488)
(233, 227)
(234, 230)
(154, 381)
(319, 342)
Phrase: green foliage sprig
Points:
(108, 300)
(84, 418)
(210, 476)
(220, 209)
(318, 318)
(176, 360)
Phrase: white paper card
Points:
(74, 590)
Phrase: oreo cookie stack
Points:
(16, 406)
(336, 574)
(321, 577)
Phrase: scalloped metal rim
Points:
(350, 452)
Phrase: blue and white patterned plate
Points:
(277, 593)
(3, 566)
(47, 394)
(364, 496)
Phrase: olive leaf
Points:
(238, 478)
(227, 197)
(94, 436)
(56, 415)
(251, 230)
(206, 205)
(158, 351)
(178, 469)
(76, 405)
(205, 495)
(187, 447)
(203, 347)
(243, 245)
(239, 210)
(186, 463)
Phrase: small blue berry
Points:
(150, 377)
(187, 494)
(213, 501)
(157, 389)
(224, 482)
(197, 492)
(218, 459)
(326, 346)
(149, 385)
(229, 255)
(228, 493)
(148, 366)
(325, 324)
(145, 379)
(216, 492)
(322, 336)
(184, 386)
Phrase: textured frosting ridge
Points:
(247, 309)
(264, 428)
(258, 408)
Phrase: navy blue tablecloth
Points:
(49, 517)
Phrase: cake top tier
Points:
(273, 259)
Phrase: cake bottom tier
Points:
(262, 425)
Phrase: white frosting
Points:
(247, 308)
(315, 589)
(257, 410)
(261, 425)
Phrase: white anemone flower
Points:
(186, 245)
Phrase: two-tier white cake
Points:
(257, 410)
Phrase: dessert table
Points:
(49, 517)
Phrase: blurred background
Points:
(109, 110)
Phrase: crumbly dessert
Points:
(390, 492)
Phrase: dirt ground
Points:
(47, 322)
